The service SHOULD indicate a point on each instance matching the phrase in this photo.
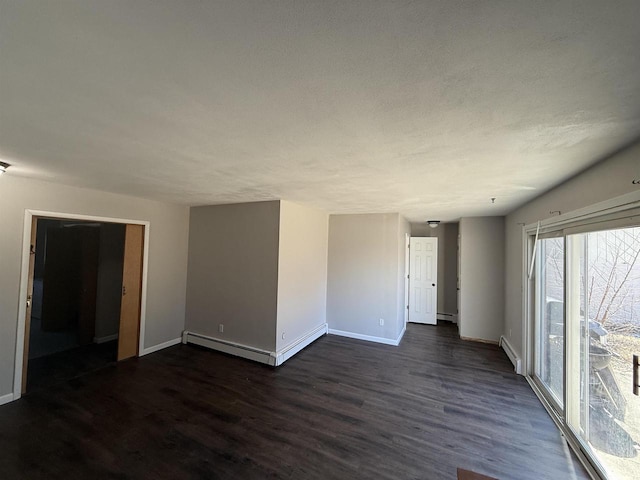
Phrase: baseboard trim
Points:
(232, 348)
(267, 357)
(290, 350)
(449, 317)
(9, 397)
(479, 340)
(508, 349)
(161, 346)
(399, 339)
(370, 338)
(105, 339)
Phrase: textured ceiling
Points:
(427, 108)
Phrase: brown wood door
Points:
(129, 335)
(27, 321)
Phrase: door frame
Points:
(407, 260)
(24, 280)
(618, 207)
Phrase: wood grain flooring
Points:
(340, 409)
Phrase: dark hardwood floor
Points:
(58, 367)
(340, 409)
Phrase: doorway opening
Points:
(84, 298)
(423, 274)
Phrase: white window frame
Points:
(610, 214)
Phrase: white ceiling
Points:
(428, 108)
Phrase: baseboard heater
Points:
(449, 317)
(252, 353)
(508, 349)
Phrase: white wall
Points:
(481, 278)
(363, 284)
(233, 272)
(606, 180)
(168, 235)
(302, 272)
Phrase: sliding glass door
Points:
(549, 370)
(587, 328)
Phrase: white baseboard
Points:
(9, 397)
(161, 346)
(232, 348)
(290, 350)
(370, 338)
(251, 353)
(508, 349)
(106, 339)
(399, 339)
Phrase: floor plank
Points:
(341, 408)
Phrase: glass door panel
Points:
(549, 287)
(603, 332)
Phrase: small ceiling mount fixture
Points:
(493, 199)
(433, 223)
(3, 167)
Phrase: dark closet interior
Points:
(77, 288)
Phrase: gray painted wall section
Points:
(168, 236)
(481, 278)
(363, 274)
(233, 272)
(302, 272)
(605, 180)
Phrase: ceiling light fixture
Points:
(433, 223)
(3, 167)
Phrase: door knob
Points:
(433, 284)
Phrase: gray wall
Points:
(109, 288)
(603, 181)
(233, 272)
(447, 235)
(168, 237)
(450, 268)
(302, 272)
(363, 274)
(481, 278)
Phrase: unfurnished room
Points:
(318, 239)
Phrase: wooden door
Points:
(27, 321)
(423, 274)
(128, 338)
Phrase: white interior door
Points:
(423, 274)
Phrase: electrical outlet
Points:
(381, 322)
(283, 335)
(221, 328)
